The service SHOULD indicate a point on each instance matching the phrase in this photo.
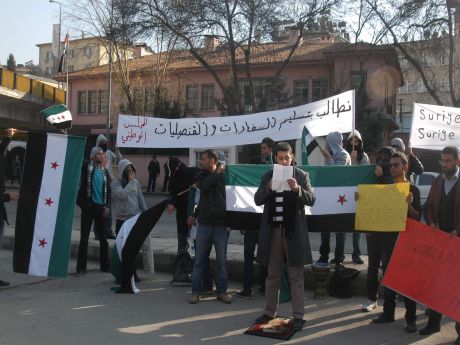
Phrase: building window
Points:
(207, 97)
(139, 100)
(71, 53)
(403, 62)
(420, 86)
(103, 101)
(49, 55)
(49, 70)
(319, 89)
(87, 51)
(262, 94)
(70, 68)
(92, 101)
(358, 81)
(149, 101)
(81, 99)
(191, 95)
(300, 93)
(444, 59)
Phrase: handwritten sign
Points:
(382, 207)
(424, 267)
(435, 127)
(331, 114)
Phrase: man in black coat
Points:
(154, 172)
(4, 196)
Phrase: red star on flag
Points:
(42, 243)
(342, 199)
(54, 165)
(48, 202)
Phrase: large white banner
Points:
(435, 127)
(331, 114)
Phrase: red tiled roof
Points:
(266, 53)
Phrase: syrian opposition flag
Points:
(45, 210)
(58, 115)
(309, 143)
(129, 241)
(64, 53)
(334, 188)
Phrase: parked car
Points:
(423, 182)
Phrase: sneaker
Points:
(336, 261)
(428, 330)
(298, 324)
(357, 260)
(411, 327)
(245, 293)
(194, 299)
(4, 283)
(224, 298)
(323, 260)
(382, 318)
(369, 306)
(263, 318)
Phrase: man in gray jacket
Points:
(334, 154)
(284, 234)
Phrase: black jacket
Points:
(4, 197)
(211, 207)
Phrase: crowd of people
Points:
(282, 239)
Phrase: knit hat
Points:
(398, 143)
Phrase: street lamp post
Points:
(59, 41)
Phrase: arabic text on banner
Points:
(435, 127)
(424, 267)
(331, 114)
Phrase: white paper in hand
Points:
(281, 174)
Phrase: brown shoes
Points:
(224, 298)
(194, 299)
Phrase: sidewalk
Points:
(164, 244)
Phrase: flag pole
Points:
(67, 74)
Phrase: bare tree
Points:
(421, 31)
(236, 23)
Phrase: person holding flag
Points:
(5, 196)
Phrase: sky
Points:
(23, 25)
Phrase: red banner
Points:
(425, 266)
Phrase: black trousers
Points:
(251, 238)
(434, 321)
(182, 226)
(152, 182)
(87, 218)
(325, 246)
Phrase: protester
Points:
(373, 240)
(284, 235)
(167, 172)
(387, 242)
(251, 238)
(415, 166)
(442, 211)
(154, 172)
(358, 157)
(16, 170)
(5, 196)
(180, 182)
(211, 227)
(109, 160)
(266, 155)
(94, 198)
(128, 199)
(334, 154)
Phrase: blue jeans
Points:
(206, 236)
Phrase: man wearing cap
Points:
(415, 166)
(94, 198)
